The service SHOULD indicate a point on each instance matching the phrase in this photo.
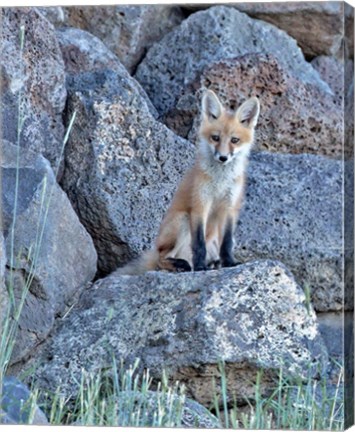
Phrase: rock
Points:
(36, 79)
(349, 116)
(316, 26)
(51, 256)
(6, 419)
(252, 316)
(56, 15)
(151, 404)
(121, 165)
(18, 405)
(83, 52)
(331, 71)
(210, 36)
(4, 299)
(331, 327)
(126, 30)
(348, 210)
(349, 30)
(294, 118)
(196, 415)
(292, 213)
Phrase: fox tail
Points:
(151, 260)
(146, 262)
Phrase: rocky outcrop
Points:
(50, 255)
(126, 30)
(316, 26)
(83, 52)
(292, 212)
(179, 411)
(294, 118)
(210, 36)
(33, 83)
(17, 405)
(56, 15)
(252, 316)
(122, 179)
(121, 165)
(332, 71)
(3, 291)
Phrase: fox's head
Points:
(224, 133)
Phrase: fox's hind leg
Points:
(173, 244)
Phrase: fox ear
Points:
(248, 112)
(211, 106)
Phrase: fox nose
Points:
(223, 158)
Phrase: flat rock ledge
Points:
(252, 317)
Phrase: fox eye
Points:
(235, 140)
(215, 138)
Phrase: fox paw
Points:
(200, 268)
(230, 263)
(180, 265)
(214, 265)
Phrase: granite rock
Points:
(121, 165)
(294, 117)
(32, 84)
(50, 255)
(206, 37)
(253, 317)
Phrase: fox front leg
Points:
(226, 251)
(198, 242)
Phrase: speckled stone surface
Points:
(252, 316)
(4, 298)
(36, 79)
(49, 242)
(127, 30)
(121, 165)
(209, 36)
(294, 117)
(83, 52)
(293, 213)
(16, 406)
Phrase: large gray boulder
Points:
(83, 52)
(155, 408)
(56, 15)
(295, 117)
(4, 298)
(32, 82)
(316, 26)
(127, 30)
(253, 317)
(206, 37)
(293, 213)
(17, 405)
(50, 255)
(332, 71)
(121, 165)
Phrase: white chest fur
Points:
(225, 181)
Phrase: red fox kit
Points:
(197, 230)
